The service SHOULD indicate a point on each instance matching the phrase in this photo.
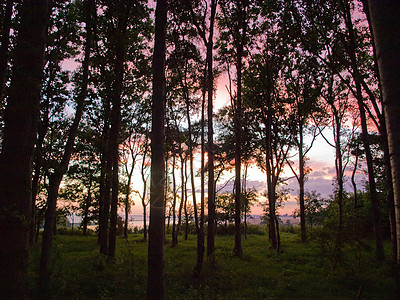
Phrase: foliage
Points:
(315, 208)
(225, 206)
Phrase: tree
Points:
(384, 19)
(21, 121)
(61, 166)
(342, 47)
(302, 85)
(267, 103)
(155, 278)
(235, 22)
(314, 206)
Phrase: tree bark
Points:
(155, 281)
(386, 31)
(21, 120)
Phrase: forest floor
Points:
(301, 271)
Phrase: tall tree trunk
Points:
(61, 168)
(42, 129)
(196, 219)
(210, 142)
(201, 237)
(128, 193)
(246, 200)
(88, 201)
(5, 42)
(237, 250)
(105, 174)
(155, 278)
(120, 50)
(48, 233)
(384, 137)
(353, 180)
(339, 167)
(185, 208)
(301, 183)
(174, 239)
(386, 31)
(144, 204)
(271, 177)
(178, 227)
(21, 119)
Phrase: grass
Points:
(298, 272)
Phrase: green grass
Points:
(298, 272)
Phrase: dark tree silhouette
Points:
(21, 120)
(155, 280)
(386, 30)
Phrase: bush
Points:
(290, 228)
(229, 229)
(74, 231)
(256, 229)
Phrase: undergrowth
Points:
(299, 271)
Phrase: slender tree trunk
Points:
(36, 177)
(272, 214)
(116, 124)
(185, 205)
(174, 238)
(128, 193)
(238, 152)
(178, 227)
(339, 168)
(88, 202)
(271, 180)
(155, 282)
(210, 143)
(246, 200)
(48, 233)
(21, 118)
(86, 215)
(105, 180)
(191, 164)
(301, 184)
(38, 222)
(104, 198)
(386, 31)
(144, 204)
(201, 237)
(353, 180)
